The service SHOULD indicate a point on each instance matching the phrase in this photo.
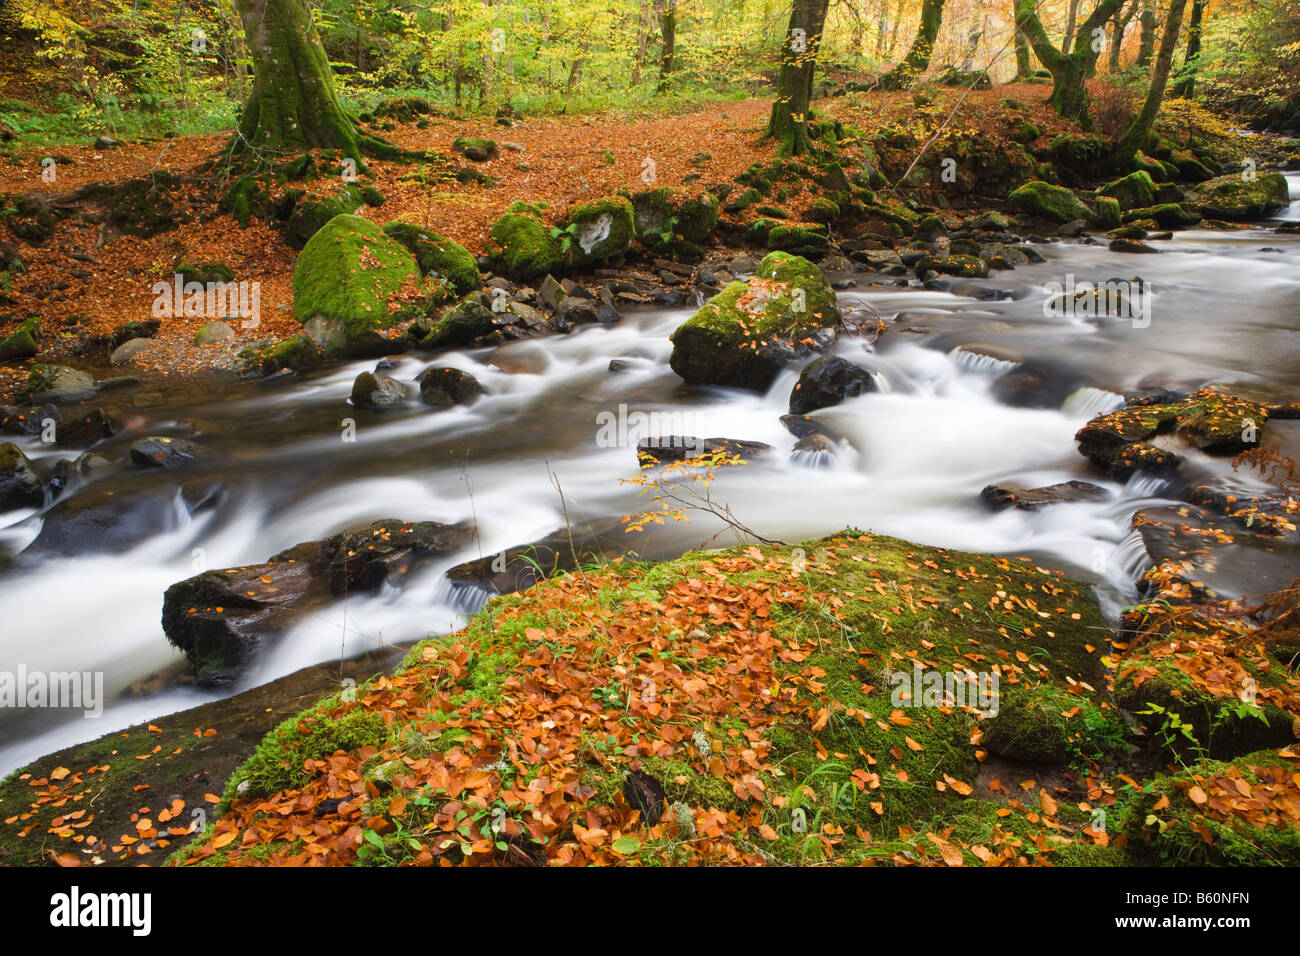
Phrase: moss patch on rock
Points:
(1054, 203)
(745, 334)
(1234, 198)
(438, 256)
(348, 276)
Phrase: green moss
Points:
(1107, 215)
(805, 241)
(667, 218)
(205, 272)
(1167, 215)
(1055, 203)
(1183, 832)
(597, 231)
(438, 256)
(348, 272)
(1132, 191)
(1050, 724)
(22, 341)
(967, 266)
(1233, 198)
(329, 727)
(527, 247)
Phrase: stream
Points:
(1225, 310)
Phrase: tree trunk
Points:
(292, 106)
(1141, 126)
(1147, 45)
(1118, 26)
(669, 28)
(789, 121)
(1070, 71)
(883, 28)
(1070, 22)
(642, 40)
(1024, 56)
(917, 60)
(1185, 89)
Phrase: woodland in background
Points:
(80, 67)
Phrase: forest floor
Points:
(563, 160)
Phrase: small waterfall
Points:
(813, 459)
(1091, 402)
(1145, 485)
(1131, 556)
(969, 361)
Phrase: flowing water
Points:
(914, 456)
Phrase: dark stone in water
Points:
(681, 447)
(364, 559)
(828, 381)
(166, 453)
(19, 485)
(1011, 495)
(445, 387)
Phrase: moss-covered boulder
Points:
(749, 331)
(346, 283)
(596, 231)
(468, 322)
(525, 246)
(312, 212)
(1054, 203)
(298, 353)
(205, 272)
(965, 266)
(808, 241)
(1107, 215)
(1233, 198)
(22, 341)
(820, 704)
(1168, 215)
(438, 256)
(475, 147)
(667, 219)
(1133, 191)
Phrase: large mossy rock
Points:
(746, 334)
(853, 734)
(669, 219)
(526, 247)
(438, 256)
(1231, 197)
(598, 230)
(343, 283)
(1133, 191)
(1054, 203)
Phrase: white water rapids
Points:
(919, 449)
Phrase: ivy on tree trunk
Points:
(788, 124)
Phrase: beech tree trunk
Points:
(1147, 43)
(788, 124)
(1024, 56)
(1070, 71)
(293, 105)
(669, 28)
(1117, 28)
(1141, 127)
(917, 60)
(1186, 87)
